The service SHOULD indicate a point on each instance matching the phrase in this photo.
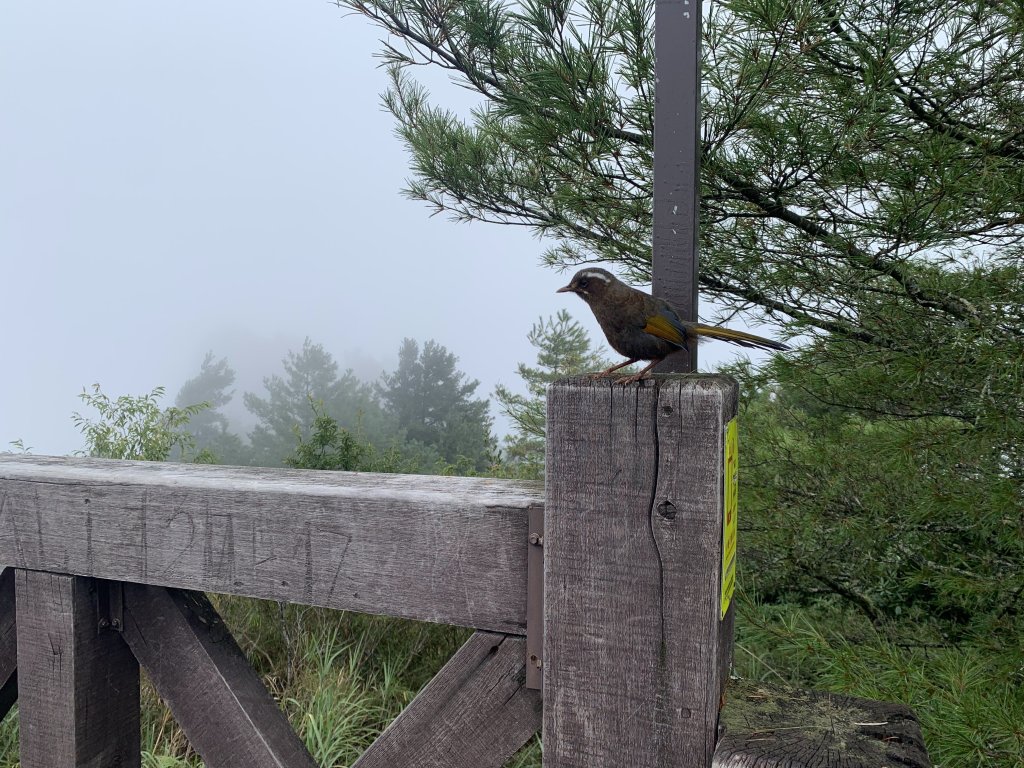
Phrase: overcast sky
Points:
(221, 176)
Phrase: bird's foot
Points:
(644, 373)
(609, 371)
(634, 378)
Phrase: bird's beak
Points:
(565, 289)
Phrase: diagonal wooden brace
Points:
(8, 644)
(224, 709)
(475, 713)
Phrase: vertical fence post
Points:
(78, 684)
(634, 663)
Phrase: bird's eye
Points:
(583, 282)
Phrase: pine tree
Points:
(432, 403)
(563, 349)
(210, 428)
(287, 413)
(861, 175)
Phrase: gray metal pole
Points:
(677, 162)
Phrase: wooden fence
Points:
(604, 587)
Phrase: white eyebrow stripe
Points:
(595, 276)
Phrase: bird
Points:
(645, 327)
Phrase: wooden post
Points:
(633, 654)
(78, 684)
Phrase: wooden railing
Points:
(606, 585)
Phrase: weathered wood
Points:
(633, 537)
(228, 715)
(476, 713)
(79, 685)
(675, 258)
(8, 643)
(444, 549)
(767, 726)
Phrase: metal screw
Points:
(536, 539)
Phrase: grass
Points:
(342, 677)
(969, 696)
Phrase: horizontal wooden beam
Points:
(443, 549)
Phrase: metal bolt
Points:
(536, 539)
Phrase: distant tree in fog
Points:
(432, 403)
(287, 413)
(209, 427)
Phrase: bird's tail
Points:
(736, 337)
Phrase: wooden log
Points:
(78, 685)
(633, 546)
(443, 549)
(476, 713)
(767, 726)
(228, 715)
(8, 643)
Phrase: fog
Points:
(221, 176)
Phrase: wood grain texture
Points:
(633, 516)
(443, 549)
(476, 713)
(228, 715)
(79, 686)
(8, 643)
(773, 727)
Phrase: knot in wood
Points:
(667, 510)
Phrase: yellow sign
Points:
(732, 492)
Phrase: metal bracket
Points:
(535, 598)
(110, 605)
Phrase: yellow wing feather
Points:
(664, 328)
